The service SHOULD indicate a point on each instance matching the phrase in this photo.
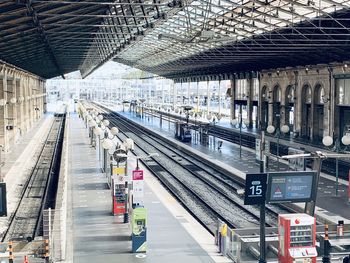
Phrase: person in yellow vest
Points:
(224, 230)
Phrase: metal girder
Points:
(168, 37)
(41, 31)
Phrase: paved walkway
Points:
(100, 237)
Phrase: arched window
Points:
(290, 94)
(277, 94)
(319, 95)
(306, 94)
(264, 94)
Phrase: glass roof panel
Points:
(206, 24)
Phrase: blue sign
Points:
(291, 187)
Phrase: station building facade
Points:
(313, 101)
(22, 103)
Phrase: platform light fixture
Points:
(107, 144)
(345, 66)
(105, 122)
(114, 131)
(98, 131)
(271, 130)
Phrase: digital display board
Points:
(291, 187)
(3, 202)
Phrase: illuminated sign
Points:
(291, 187)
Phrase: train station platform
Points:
(228, 156)
(225, 125)
(173, 235)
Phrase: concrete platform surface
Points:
(98, 236)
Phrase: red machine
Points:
(297, 238)
(118, 197)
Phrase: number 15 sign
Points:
(255, 189)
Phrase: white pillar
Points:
(162, 82)
(219, 97)
(208, 98)
(188, 92)
(197, 110)
(174, 94)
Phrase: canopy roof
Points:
(172, 38)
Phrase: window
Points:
(343, 91)
(255, 89)
(241, 89)
(307, 94)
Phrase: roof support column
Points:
(299, 104)
(10, 111)
(30, 102)
(162, 98)
(44, 97)
(219, 97)
(270, 100)
(331, 113)
(208, 98)
(173, 86)
(233, 95)
(249, 100)
(18, 105)
(188, 91)
(26, 104)
(296, 125)
(197, 91)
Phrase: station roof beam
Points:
(172, 38)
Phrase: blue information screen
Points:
(291, 187)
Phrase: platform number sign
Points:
(255, 189)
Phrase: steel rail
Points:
(222, 190)
(19, 225)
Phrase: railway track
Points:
(209, 194)
(39, 190)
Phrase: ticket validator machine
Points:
(297, 238)
(139, 230)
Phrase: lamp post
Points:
(240, 124)
(128, 145)
(328, 141)
(271, 130)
